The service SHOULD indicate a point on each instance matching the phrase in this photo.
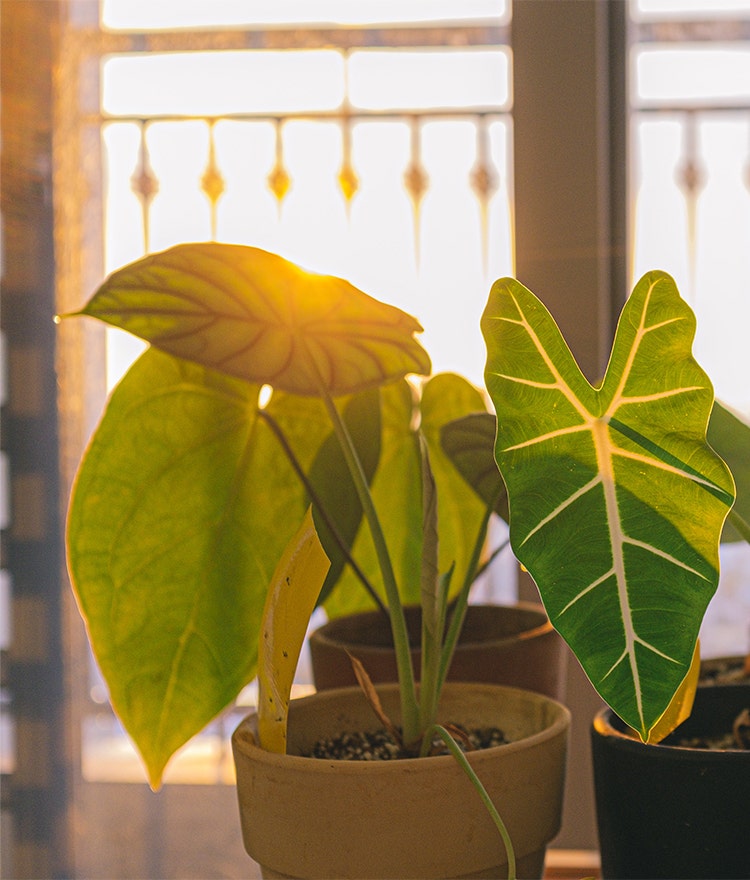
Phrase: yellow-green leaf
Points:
(291, 600)
(181, 509)
(254, 315)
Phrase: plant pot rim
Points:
(412, 817)
(559, 720)
(608, 725)
(329, 634)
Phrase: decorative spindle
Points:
(212, 181)
(691, 179)
(347, 177)
(145, 185)
(416, 182)
(484, 181)
(279, 181)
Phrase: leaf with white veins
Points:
(616, 500)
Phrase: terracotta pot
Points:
(669, 811)
(419, 817)
(514, 645)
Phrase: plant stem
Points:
(434, 594)
(460, 758)
(362, 577)
(409, 706)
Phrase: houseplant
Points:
(506, 644)
(616, 502)
(696, 795)
(193, 486)
(573, 458)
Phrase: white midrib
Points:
(603, 447)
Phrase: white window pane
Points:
(199, 13)
(688, 8)
(399, 79)
(693, 75)
(216, 83)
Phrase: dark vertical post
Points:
(569, 122)
(36, 794)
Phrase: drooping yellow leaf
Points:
(291, 600)
(682, 703)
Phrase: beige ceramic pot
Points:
(312, 818)
(514, 645)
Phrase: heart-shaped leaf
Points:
(181, 509)
(256, 316)
(616, 501)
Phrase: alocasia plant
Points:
(193, 485)
(616, 500)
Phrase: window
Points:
(391, 166)
(690, 192)
(541, 193)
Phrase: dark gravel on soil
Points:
(380, 745)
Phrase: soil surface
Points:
(737, 738)
(382, 746)
(724, 671)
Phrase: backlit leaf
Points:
(182, 506)
(254, 315)
(469, 442)
(397, 490)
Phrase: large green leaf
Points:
(254, 315)
(182, 506)
(616, 501)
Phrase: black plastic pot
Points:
(666, 811)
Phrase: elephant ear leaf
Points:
(256, 316)
(616, 500)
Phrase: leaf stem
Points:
(410, 719)
(409, 706)
(462, 761)
(342, 544)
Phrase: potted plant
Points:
(616, 500)
(187, 505)
(514, 645)
(698, 777)
(616, 509)
(506, 644)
